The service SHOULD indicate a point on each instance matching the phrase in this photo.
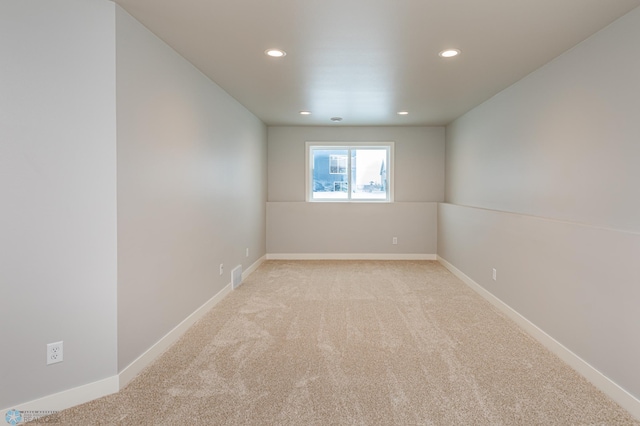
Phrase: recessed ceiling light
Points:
(403, 112)
(305, 112)
(449, 53)
(336, 119)
(275, 53)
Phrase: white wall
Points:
(561, 143)
(352, 228)
(57, 195)
(295, 227)
(191, 188)
(542, 182)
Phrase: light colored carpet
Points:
(353, 343)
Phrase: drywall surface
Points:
(561, 143)
(360, 228)
(58, 195)
(295, 226)
(542, 182)
(191, 188)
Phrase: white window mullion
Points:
(349, 174)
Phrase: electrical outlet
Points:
(495, 273)
(54, 352)
(395, 240)
(221, 269)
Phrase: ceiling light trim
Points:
(449, 53)
(275, 53)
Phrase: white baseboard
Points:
(133, 369)
(85, 393)
(140, 363)
(69, 398)
(350, 256)
(251, 269)
(599, 380)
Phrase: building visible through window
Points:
(337, 164)
(353, 172)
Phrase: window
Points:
(349, 172)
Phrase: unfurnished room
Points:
(420, 212)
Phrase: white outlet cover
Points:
(54, 352)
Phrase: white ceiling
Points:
(365, 60)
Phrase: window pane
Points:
(369, 173)
(330, 178)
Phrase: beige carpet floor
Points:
(353, 343)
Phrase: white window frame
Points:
(348, 145)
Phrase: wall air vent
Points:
(236, 276)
